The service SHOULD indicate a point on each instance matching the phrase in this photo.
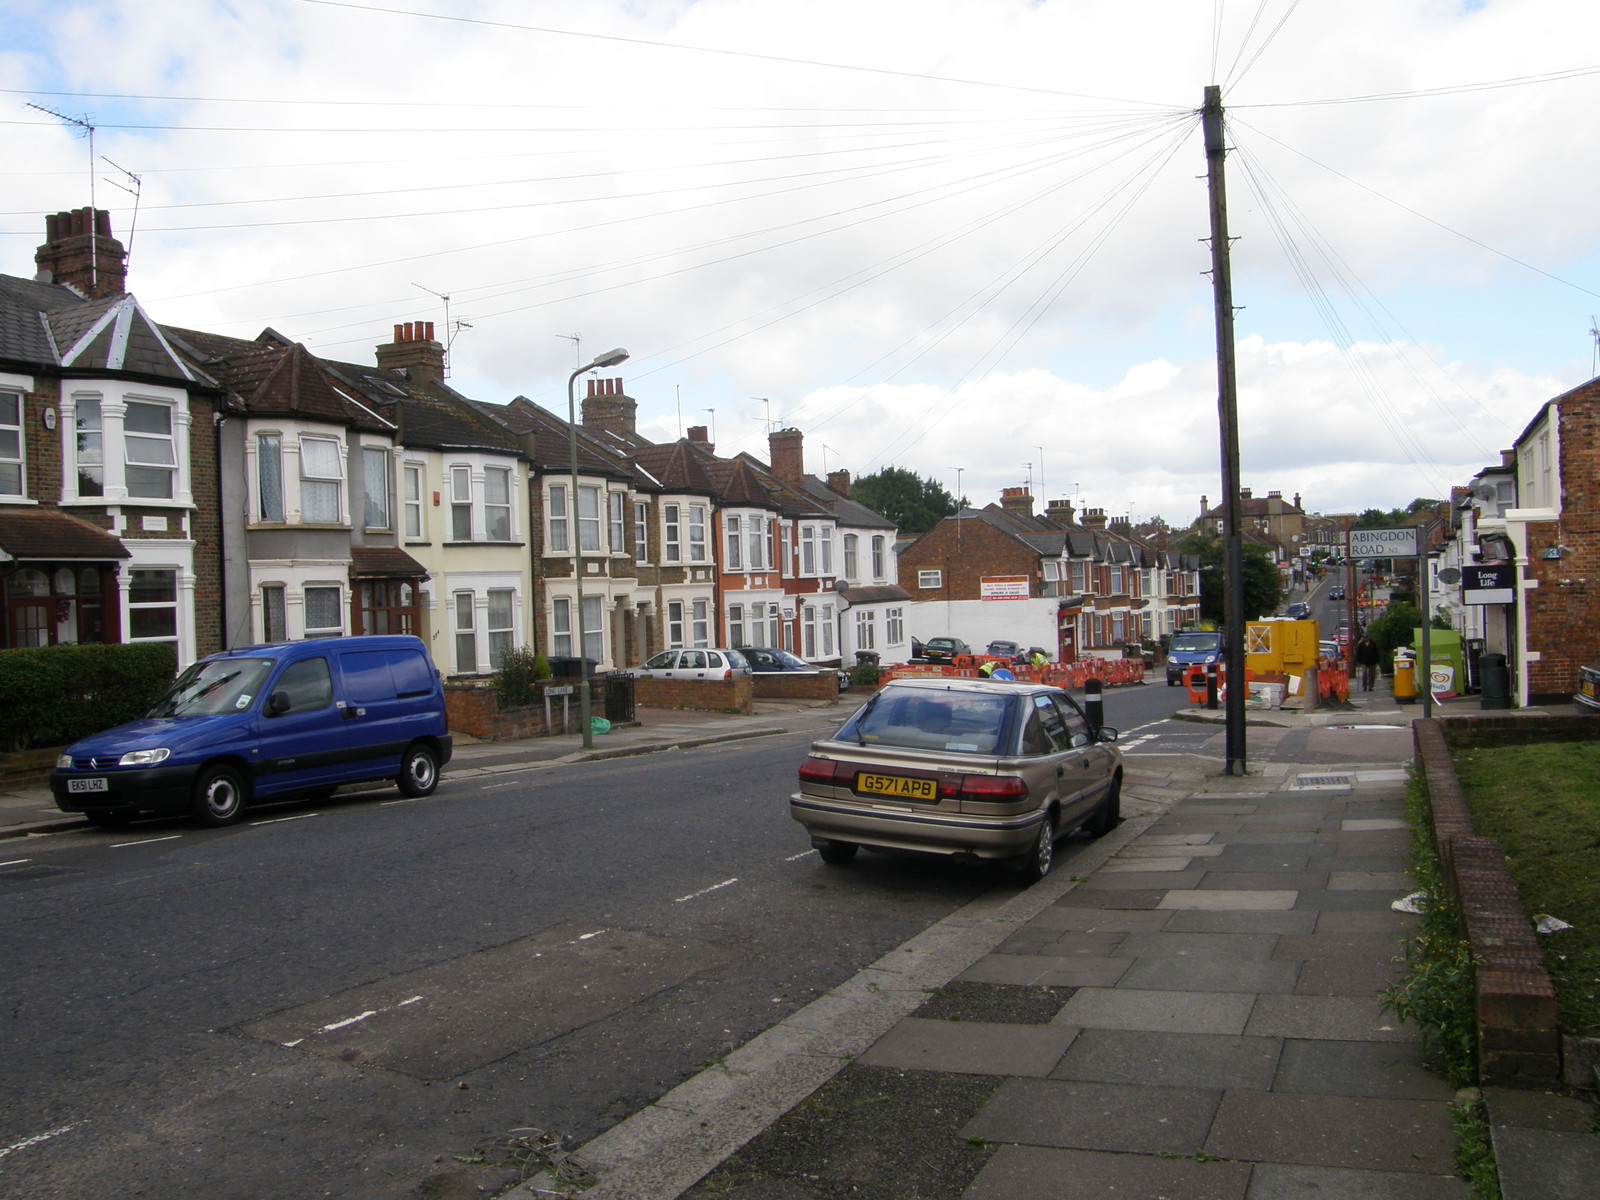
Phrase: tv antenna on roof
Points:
(138, 186)
(1594, 332)
(450, 330)
(577, 346)
(84, 124)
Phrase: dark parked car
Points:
(1298, 611)
(961, 767)
(775, 662)
(944, 649)
(1001, 649)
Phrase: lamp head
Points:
(609, 359)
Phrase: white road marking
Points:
(584, 937)
(171, 837)
(798, 857)
(15, 862)
(281, 820)
(705, 891)
(36, 1139)
(371, 1012)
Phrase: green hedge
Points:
(57, 694)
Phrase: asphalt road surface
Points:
(339, 998)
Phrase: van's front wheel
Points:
(219, 796)
(419, 771)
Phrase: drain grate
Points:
(1306, 782)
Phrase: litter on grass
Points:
(1410, 904)
(1545, 923)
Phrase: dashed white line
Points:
(705, 891)
(171, 837)
(36, 1139)
(336, 1025)
(15, 862)
(281, 820)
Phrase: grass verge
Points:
(1541, 802)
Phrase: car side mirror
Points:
(278, 703)
(1107, 734)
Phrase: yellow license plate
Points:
(895, 785)
(1586, 687)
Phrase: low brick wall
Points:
(712, 695)
(1519, 1041)
(797, 685)
(473, 707)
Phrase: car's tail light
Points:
(824, 771)
(993, 787)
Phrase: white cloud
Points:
(994, 268)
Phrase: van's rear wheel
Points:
(419, 771)
(220, 795)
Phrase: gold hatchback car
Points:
(962, 767)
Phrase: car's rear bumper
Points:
(904, 828)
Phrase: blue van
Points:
(266, 722)
(1188, 647)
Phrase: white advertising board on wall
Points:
(1003, 587)
(1383, 543)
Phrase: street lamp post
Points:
(609, 359)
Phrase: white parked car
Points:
(715, 663)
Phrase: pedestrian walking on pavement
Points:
(1367, 660)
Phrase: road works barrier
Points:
(1111, 672)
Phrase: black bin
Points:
(562, 667)
(1496, 681)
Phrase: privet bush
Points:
(53, 695)
(519, 670)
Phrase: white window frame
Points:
(736, 625)
(825, 549)
(672, 528)
(641, 531)
(733, 537)
(500, 629)
(13, 426)
(786, 549)
(136, 607)
(700, 623)
(588, 519)
(675, 624)
(557, 540)
(460, 477)
(322, 631)
(808, 633)
(464, 631)
(561, 627)
(274, 613)
(165, 443)
(617, 502)
(866, 629)
(760, 555)
(894, 621)
(324, 480)
(592, 613)
(375, 456)
(503, 511)
(930, 579)
(411, 474)
(697, 533)
(808, 550)
(879, 562)
(851, 562)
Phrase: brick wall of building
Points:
(1564, 610)
(712, 695)
(797, 685)
(966, 552)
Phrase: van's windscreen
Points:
(219, 686)
(1194, 641)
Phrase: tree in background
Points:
(1261, 592)
(914, 505)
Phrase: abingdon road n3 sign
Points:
(1383, 543)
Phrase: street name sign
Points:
(1384, 543)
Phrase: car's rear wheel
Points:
(1035, 865)
(419, 771)
(220, 795)
(834, 853)
(1109, 814)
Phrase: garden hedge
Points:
(54, 695)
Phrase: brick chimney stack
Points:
(609, 408)
(839, 481)
(1059, 512)
(94, 267)
(1094, 518)
(1017, 500)
(701, 437)
(1204, 506)
(415, 352)
(787, 451)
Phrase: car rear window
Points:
(956, 722)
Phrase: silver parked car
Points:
(962, 767)
(695, 664)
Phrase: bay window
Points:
(588, 519)
(269, 478)
(619, 522)
(461, 504)
(10, 444)
(497, 504)
(674, 544)
(375, 488)
(151, 450)
(697, 533)
(320, 474)
(413, 501)
(734, 559)
(557, 512)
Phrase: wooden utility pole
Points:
(1228, 418)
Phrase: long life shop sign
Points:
(1383, 543)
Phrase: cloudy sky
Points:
(965, 237)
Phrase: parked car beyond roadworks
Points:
(944, 649)
(777, 662)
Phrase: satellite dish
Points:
(1450, 575)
